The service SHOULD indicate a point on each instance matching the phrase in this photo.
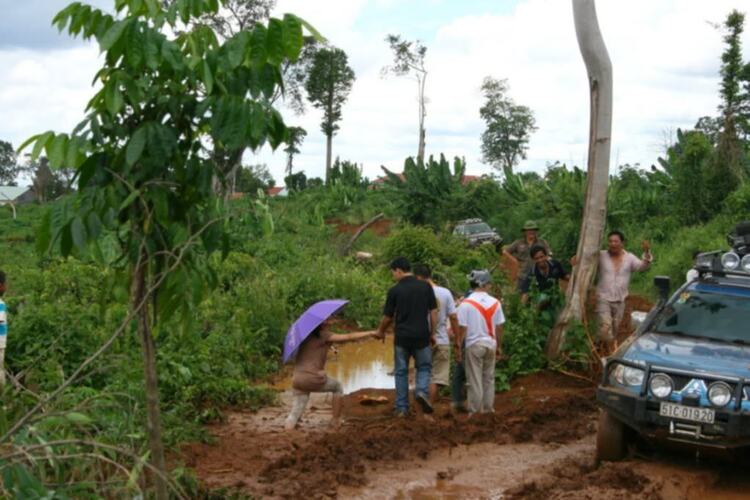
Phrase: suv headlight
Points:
(745, 263)
(626, 375)
(730, 261)
(661, 385)
(719, 393)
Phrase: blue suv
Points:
(685, 374)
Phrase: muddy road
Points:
(539, 444)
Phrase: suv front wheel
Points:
(610, 438)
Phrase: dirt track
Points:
(539, 444)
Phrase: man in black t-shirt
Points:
(546, 271)
(412, 306)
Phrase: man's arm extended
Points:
(385, 322)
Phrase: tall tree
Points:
(726, 169)
(599, 69)
(408, 59)
(143, 171)
(732, 68)
(328, 86)
(238, 15)
(509, 126)
(9, 168)
(294, 140)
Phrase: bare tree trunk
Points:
(422, 113)
(599, 69)
(153, 422)
(329, 146)
(359, 232)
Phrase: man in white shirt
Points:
(480, 324)
(615, 268)
(441, 351)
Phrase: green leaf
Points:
(170, 52)
(27, 142)
(66, 241)
(235, 49)
(161, 143)
(135, 46)
(161, 207)
(293, 39)
(56, 151)
(61, 18)
(41, 143)
(78, 418)
(113, 34)
(275, 41)
(135, 6)
(93, 225)
(78, 233)
(81, 16)
(131, 197)
(44, 234)
(258, 45)
(276, 129)
(75, 153)
(87, 171)
(135, 146)
(152, 49)
(208, 78)
(113, 99)
(310, 29)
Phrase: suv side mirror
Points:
(663, 284)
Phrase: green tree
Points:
(727, 166)
(347, 173)
(315, 182)
(508, 126)
(143, 168)
(682, 172)
(294, 140)
(328, 86)
(296, 182)
(9, 168)
(427, 193)
(254, 177)
(732, 68)
(408, 59)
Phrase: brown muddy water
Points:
(358, 365)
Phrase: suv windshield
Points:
(476, 228)
(711, 312)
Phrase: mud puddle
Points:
(484, 470)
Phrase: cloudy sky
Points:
(665, 56)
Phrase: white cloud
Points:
(665, 55)
(44, 90)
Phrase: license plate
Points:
(703, 415)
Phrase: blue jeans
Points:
(422, 363)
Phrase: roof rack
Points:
(719, 263)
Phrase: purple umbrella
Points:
(315, 315)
